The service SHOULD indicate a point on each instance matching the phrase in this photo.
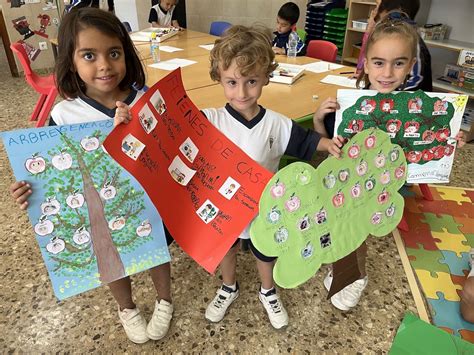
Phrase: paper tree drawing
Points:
(89, 214)
(308, 217)
(419, 123)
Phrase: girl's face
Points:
(99, 60)
(389, 60)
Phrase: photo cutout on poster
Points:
(147, 119)
(132, 147)
(180, 172)
(158, 102)
(189, 149)
(229, 188)
(208, 211)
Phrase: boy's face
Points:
(242, 92)
(282, 26)
(167, 4)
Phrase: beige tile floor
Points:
(33, 321)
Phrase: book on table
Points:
(286, 73)
(163, 33)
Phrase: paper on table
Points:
(321, 67)
(207, 46)
(172, 64)
(170, 49)
(140, 37)
(339, 80)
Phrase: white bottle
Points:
(292, 44)
(155, 47)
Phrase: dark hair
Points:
(289, 12)
(250, 47)
(68, 82)
(410, 7)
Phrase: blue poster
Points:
(93, 222)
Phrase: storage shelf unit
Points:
(316, 15)
(453, 46)
(358, 10)
(334, 27)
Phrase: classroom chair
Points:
(323, 50)
(302, 34)
(127, 26)
(306, 122)
(44, 85)
(218, 27)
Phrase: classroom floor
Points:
(33, 321)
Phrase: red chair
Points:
(323, 50)
(44, 85)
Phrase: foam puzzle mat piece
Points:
(470, 239)
(457, 195)
(467, 224)
(467, 335)
(456, 264)
(443, 207)
(453, 242)
(427, 260)
(448, 314)
(411, 205)
(442, 282)
(442, 223)
(414, 237)
(470, 195)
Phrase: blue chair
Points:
(218, 27)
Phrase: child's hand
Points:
(327, 106)
(278, 50)
(460, 139)
(20, 191)
(332, 146)
(122, 113)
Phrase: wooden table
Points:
(294, 101)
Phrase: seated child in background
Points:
(242, 62)
(162, 14)
(287, 18)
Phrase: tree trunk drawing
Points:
(109, 263)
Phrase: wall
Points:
(30, 34)
(200, 13)
(457, 14)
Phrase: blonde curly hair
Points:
(249, 46)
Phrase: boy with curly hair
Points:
(242, 62)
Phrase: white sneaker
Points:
(275, 310)
(160, 320)
(215, 311)
(349, 296)
(134, 325)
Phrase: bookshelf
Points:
(358, 9)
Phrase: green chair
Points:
(302, 34)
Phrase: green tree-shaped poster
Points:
(309, 216)
(423, 124)
(93, 222)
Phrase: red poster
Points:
(205, 188)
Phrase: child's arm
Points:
(175, 24)
(460, 139)
(327, 106)
(122, 113)
(155, 24)
(332, 146)
(278, 50)
(20, 191)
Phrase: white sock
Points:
(264, 290)
(232, 287)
